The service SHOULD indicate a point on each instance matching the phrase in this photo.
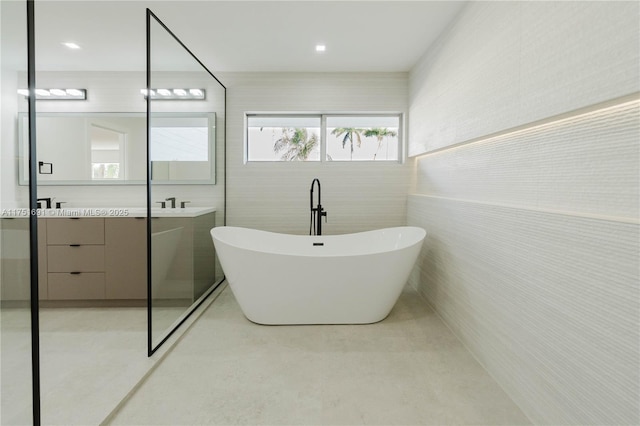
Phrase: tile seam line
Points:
(582, 215)
(618, 102)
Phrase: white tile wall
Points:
(275, 196)
(532, 254)
(548, 303)
(586, 163)
(522, 62)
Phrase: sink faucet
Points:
(173, 202)
(315, 227)
(47, 202)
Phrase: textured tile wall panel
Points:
(587, 163)
(549, 303)
(504, 64)
(532, 253)
(275, 196)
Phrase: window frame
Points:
(323, 134)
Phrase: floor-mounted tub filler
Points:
(328, 279)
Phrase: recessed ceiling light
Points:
(71, 45)
(320, 47)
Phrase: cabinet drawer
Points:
(75, 259)
(83, 286)
(75, 231)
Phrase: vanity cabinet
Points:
(102, 261)
(96, 258)
(15, 266)
(192, 268)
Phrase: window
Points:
(361, 138)
(283, 138)
(323, 137)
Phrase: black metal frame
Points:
(33, 217)
(150, 348)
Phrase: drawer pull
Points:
(74, 245)
(74, 218)
(75, 273)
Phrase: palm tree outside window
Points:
(323, 137)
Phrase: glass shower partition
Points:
(19, 372)
(185, 178)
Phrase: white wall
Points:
(540, 61)
(13, 60)
(529, 117)
(9, 134)
(275, 196)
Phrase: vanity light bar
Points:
(176, 94)
(57, 94)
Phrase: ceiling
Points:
(244, 36)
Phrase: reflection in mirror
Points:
(182, 138)
(182, 148)
(107, 152)
(109, 148)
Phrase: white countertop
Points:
(97, 212)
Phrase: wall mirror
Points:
(109, 148)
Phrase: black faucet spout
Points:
(315, 226)
(313, 184)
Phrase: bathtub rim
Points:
(418, 229)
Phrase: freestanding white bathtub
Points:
(328, 279)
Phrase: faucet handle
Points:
(183, 204)
(47, 201)
(163, 204)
